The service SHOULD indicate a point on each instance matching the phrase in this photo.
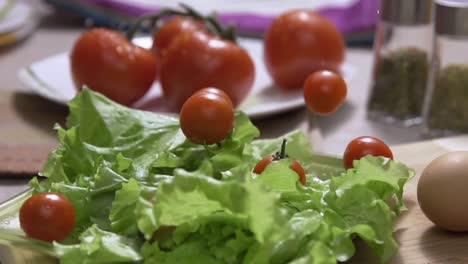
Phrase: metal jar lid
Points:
(451, 17)
(406, 12)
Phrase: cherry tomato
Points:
(295, 165)
(207, 117)
(108, 63)
(47, 217)
(218, 92)
(298, 43)
(198, 60)
(324, 92)
(171, 29)
(363, 146)
(263, 163)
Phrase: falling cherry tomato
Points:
(363, 146)
(207, 117)
(324, 92)
(47, 217)
(295, 165)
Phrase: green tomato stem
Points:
(211, 22)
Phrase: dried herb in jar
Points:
(400, 84)
(449, 106)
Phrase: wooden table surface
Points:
(420, 241)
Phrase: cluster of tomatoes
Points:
(191, 51)
(187, 55)
(301, 50)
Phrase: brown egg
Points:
(443, 191)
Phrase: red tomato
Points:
(47, 217)
(216, 91)
(295, 165)
(198, 60)
(171, 29)
(298, 43)
(108, 63)
(324, 92)
(207, 117)
(363, 146)
(262, 164)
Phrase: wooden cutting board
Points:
(420, 241)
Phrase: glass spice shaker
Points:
(403, 46)
(446, 104)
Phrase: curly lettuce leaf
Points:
(98, 246)
(231, 219)
(144, 194)
(299, 148)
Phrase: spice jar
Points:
(446, 106)
(403, 47)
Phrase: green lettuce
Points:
(143, 193)
(98, 246)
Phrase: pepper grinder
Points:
(446, 104)
(402, 51)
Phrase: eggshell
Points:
(443, 191)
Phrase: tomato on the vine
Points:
(363, 146)
(196, 51)
(200, 59)
(171, 29)
(108, 63)
(298, 43)
(324, 92)
(47, 217)
(295, 165)
(207, 117)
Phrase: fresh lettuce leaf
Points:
(143, 193)
(299, 148)
(278, 176)
(123, 212)
(224, 216)
(98, 246)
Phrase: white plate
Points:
(16, 17)
(51, 78)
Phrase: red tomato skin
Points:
(324, 92)
(363, 146)
(297, 167)
(108, 63)
(170, 30)
(218, 92)
(298, 43)
(207, 117)
(198, 60)
(262, 164)
(47, 217)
